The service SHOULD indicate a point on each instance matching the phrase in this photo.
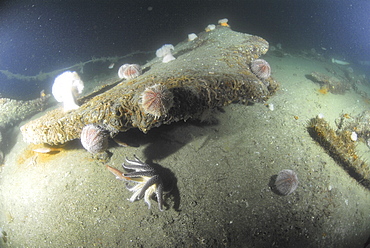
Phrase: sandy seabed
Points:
(222, 171)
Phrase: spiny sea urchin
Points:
(156, 100)
(261, 68)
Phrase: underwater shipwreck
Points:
(63, 186)
(210, 71)
(205, 72)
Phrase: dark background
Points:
(48, 35)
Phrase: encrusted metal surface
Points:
(211, 71)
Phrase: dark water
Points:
(45, 36)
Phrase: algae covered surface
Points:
(221, 170)
(211, 71)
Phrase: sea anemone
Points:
(192, 37)
(156, 100)
(129, 71)
(223, 22)
(94, 139)
(210, 27)
(286, 182)
(165, 53)
(261, 68)
(67, 86)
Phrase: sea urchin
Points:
(156, 100)
(94, 139)
(261, 68)
(286, 182)
(129, 71)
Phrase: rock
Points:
(331, 84)
(360, 123)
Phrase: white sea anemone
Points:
(192, 37)
(165, 53)
(210, 27)
(67, 86)
(223, 22)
